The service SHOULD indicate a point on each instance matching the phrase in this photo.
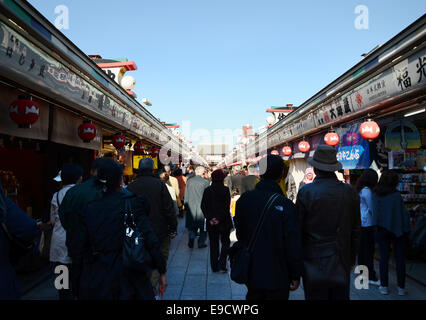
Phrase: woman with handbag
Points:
(115, 265)
(216, 206)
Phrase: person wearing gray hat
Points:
(162, 214)
(330, 217)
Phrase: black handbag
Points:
(240, 256)
(135, 255)
(324, 263)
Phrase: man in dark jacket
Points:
(21, 226)
(216, 208)
(162, 214)
(330, 216)
(69, 214)
(276, 262)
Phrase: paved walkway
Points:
(190, 278)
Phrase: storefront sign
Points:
(406, 75)
(402, 135)
(20, 57)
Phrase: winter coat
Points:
(22, 227)
(193, 196)
(73, 203)
(162, 214)
(216, 203)
(390, 213)
(100, 251)
(276, 258)
(58, 248)
(321, 204)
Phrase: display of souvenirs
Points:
(409, 160)
(10, 184)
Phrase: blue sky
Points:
(221, 63)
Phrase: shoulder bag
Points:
(240, 256)
(135, 255)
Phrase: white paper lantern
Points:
(270, 120)
(128, 82)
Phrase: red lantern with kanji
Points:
(139, 147)
(304, 146)
(369, 130)
(119, 141)
(287, 151)
(154, 152)
(24, 112)
(275, 152)
(332, 139)
(87, 131)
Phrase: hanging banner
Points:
(354, 151)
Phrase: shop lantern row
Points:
(369, 130)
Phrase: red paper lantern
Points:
(155, 152)
(332, 139)
(304, 146)
(369, 130)
(275, 152)
(24, 112)
(119, 141)
(87, 131)
(287, 151)
(139, 147)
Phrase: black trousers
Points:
(385, 239)
(366, 251)
(218, 259)
(256, 294)
(327, 293)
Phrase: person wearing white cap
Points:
(69, 176)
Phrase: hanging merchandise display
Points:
(119, 140)
(370, 130)
(24, 111)
(87, 131)
(332, 139)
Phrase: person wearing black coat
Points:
(21, 226)
(215, 205)
(331, 222)
(103, 276)
(276, 259)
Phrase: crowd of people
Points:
(318, 238)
